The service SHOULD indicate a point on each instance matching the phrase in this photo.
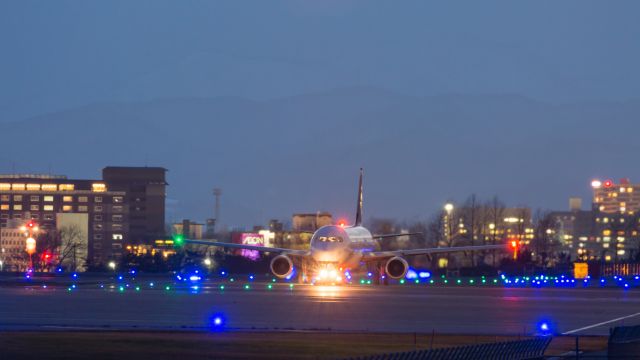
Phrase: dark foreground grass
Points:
(99, 345)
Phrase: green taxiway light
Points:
(167, 287)
(269, 286)
(178, 240)
(221, 287)
(401, 281)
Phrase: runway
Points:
(406, 308)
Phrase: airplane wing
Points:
(274, 250)
(376, 255)
(395, 235)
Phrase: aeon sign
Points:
(251, 239)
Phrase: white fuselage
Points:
(340, 245)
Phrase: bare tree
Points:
(472, 217)
(544, 243)
(71, 244)
(496, 210)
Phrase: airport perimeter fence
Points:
(507, 350)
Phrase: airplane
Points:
(334, 249)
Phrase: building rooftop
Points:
(33, 176)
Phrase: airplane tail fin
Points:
(359, 206)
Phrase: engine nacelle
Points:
(281, 266)
(396, 267)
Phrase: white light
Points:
(596, 184)
(207, 262)
(112, 265)
(448, 207)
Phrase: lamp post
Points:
(448, 208)
(30, 247)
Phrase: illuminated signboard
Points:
(251, 239)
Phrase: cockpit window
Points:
(330, 239)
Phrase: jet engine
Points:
(281, 266)
(396, 267)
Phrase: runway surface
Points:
(408, 308)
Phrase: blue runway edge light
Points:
(217, 322)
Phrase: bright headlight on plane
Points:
(323, 274)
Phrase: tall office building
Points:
(145, 188)
(612, 198)
(43, 197)
(126, 206)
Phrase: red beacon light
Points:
(342, 223)
(607, 183)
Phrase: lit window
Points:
(33, 187)
(48, 208)
(97, 217)
(83, 208)
(66, 187)
(118, 199)
(4, 198)
(4, 207)
(99, 187)
(67, 198)
(49, 187)
(34, 198)
(17, 207)
(17, 197)
(117, 237)
(98, 208)
(35, 208)
(67, 208)
(17, 186)
(117, 218)
(5, 186)
(48, 198)
(83, 199)
(98, 199)
(97, 226)
(117, 208)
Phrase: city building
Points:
(126, 206)
(12, 246)
(42, 197)
(146, 190)
(189, 229)
(612, 198)
(311, 222)
(608, 231)
(616, 209)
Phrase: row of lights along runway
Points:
(196, 281)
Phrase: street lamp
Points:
(448, 207)
(207, 262)
(112, 265)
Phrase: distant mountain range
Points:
(302, 153)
